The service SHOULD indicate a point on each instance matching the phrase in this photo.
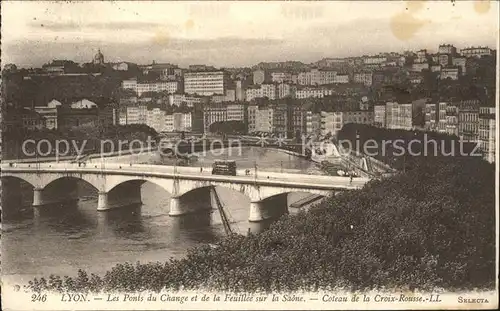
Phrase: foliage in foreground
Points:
(432, 227)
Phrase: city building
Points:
(83, 104)
(452, 73)
(252, 117)
(286, 90)
(213, 112)
(264, 119)
(49, 114)
(313, 123)
(206, 83)
(398, 116)
(189, 100)
(451, 119)
(444, 60)
(487, 132)
(374, 60)
(422, 56)
(252, 92)
(240, 87)
(296, 120)
(430, 117)
(237, 112)
(281, 77)
(447, 49)
(155, 118)
(153, 86)
(316, 77)
(476, 51)
(358, 116)
(269, 90)
(313, 92)
(134, 115)
(341, 78)
(419, 66)
(468, 120)
(363, 77)
(261, 91)
(178, 122)
(230, 96)
(331, 122)
(460, 62)
(435, 68)
(379, 115)
(31, 119)
(68, 118)
(441, 117)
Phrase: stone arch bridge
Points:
(119, 185)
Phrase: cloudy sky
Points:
(237, 33)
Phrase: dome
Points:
(99, 58)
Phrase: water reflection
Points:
(123, 222)
(196, 227)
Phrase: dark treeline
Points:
(228, 127)
(429, 227)
(402, 148)
(88, 137)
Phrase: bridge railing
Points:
(177, 170)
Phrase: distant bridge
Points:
(119, 185)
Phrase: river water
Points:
(77, 236)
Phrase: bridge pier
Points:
(43, 197)
(102, 201)
(194, 201)
(272, 207)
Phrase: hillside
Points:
(431, 227)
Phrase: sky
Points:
(237, 33)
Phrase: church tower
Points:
(98, 58)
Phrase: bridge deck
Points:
(193, 173)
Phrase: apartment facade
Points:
(363, 77)
(206, 83)
(155, 86)
(468, 120)
(313, 92)
(215, 112)
(452, 119)
(476, 52)
(237, 112)
(398, 116)
(487, 132)
(313, 123)
(452, 73)
(379, 115)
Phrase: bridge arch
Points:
(95, 180)
(117, 180)
(31, 181)
(60, 180)
(287, 193)
(237, 188)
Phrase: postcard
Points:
(249, 155)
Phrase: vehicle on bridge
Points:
(224, 168)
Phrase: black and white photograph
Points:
(249, 155)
